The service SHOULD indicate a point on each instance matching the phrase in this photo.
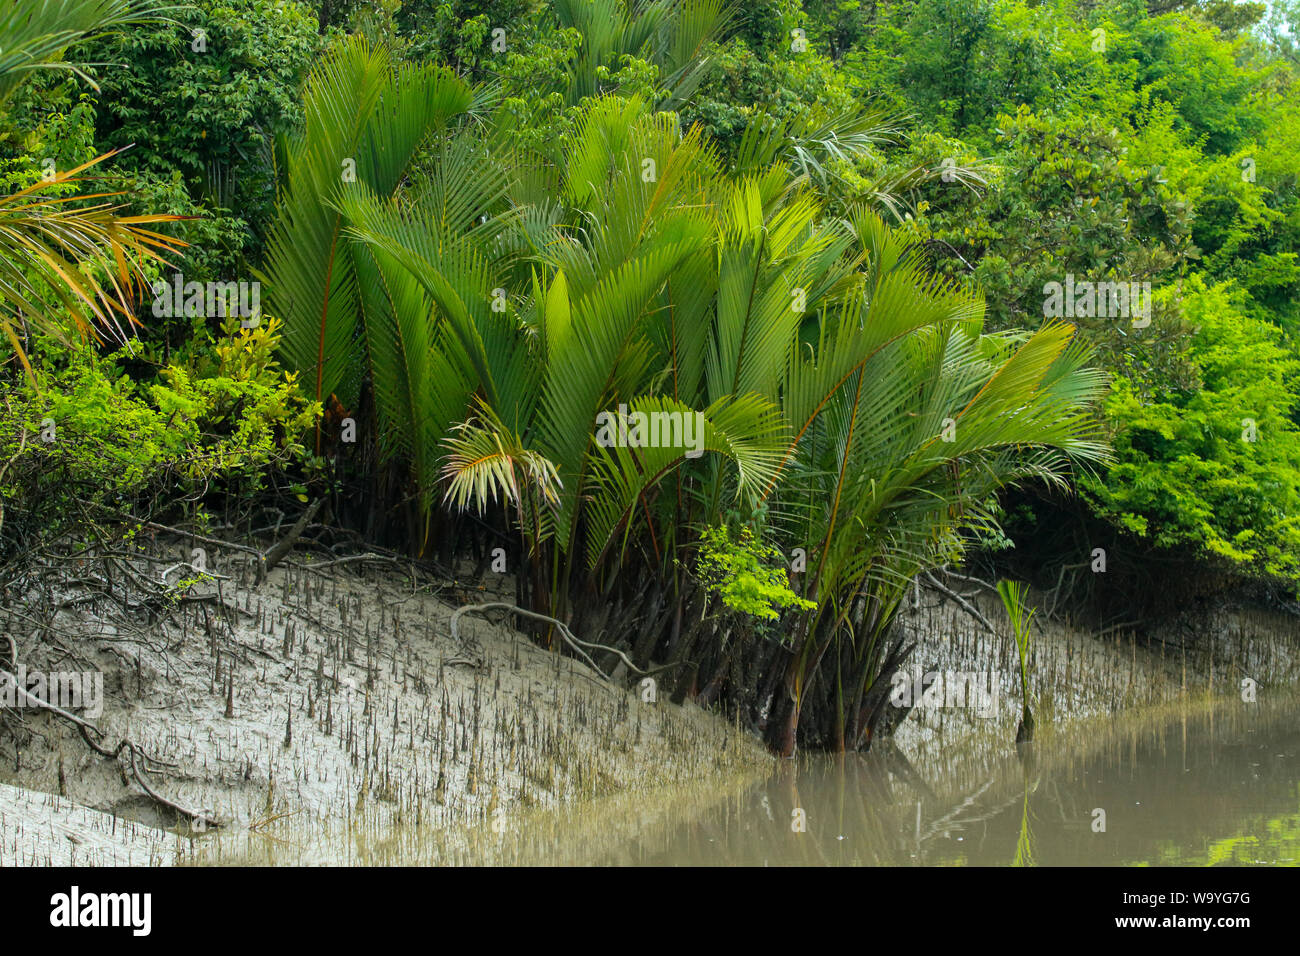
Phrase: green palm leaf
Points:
(364, 122)
(749, 432)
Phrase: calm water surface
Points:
(1220, 788)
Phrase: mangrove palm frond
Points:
(35, 34)
(487, 461)
(366, 117)
(77, 249)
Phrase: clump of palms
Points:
(1013, 599)
(498, 303)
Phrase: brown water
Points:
(1221, 787)
(1203, 785)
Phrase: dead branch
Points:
(961, 602)
(969, 579)
(285, 545)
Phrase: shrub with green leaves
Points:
(233, 407)
(1215, 467)
(748, 576)
(216, 420)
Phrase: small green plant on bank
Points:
(183, 586)
(747, 575)
(1013, 597)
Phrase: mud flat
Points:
(42, 829)
(327, 704)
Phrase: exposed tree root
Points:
(470, 655)
(125, 752)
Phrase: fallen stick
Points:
(961, 602)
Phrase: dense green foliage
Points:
(749, 578)
(208, 428)
(200, 103)
(1218, 465)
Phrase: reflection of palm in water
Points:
(877, 810)
(860, 809)
(1025, 845)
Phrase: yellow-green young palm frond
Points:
(486, 462)
(34, 34)
(1012, 594)
(630, 178)
(602, 355)
(77, 249)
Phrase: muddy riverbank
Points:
(325, 698)
(328, 715)
(1200, 783)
